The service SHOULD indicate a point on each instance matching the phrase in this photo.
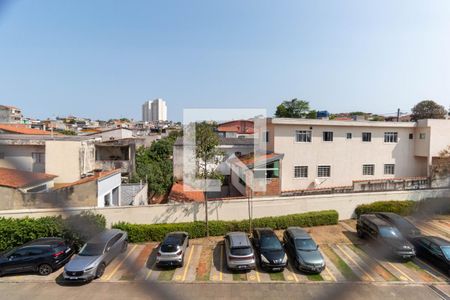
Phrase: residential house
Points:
(236, 129)
(10, 114)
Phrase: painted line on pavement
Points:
(354, 262)
(187, 264)
(331, 275)
(118, 266)
(401, 272)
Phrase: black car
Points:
(388, 238)
(43, 255)
(435, 250)
(269, 249)
(408, 230)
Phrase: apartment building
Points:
(10, 114)
(154, 111)
(327, 153)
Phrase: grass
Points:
(384, 272)
(278, 276)
(166, 275)
(127, 277)
(412, 266)
(314, 277)
(239, 276)
(345, 270)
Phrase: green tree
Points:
(68, 132)
(428, 109)
(292, 109)
(312, 114)
(206, 151)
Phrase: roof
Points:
(317, 122)
(8, 107)
(22, 129)
(249, 159)
(108, 130)
(238, 239)
(298, 232)
(19, 179)
(120, 142)
(104, 236)
(184, 193)
(97, 176)
(376, 220)
(238, 126)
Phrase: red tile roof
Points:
(22, 129)
(249, 159)
(17, 179)
(184, 193)
(238, 126)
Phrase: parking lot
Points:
(348, 259)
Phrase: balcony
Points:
(123, 165)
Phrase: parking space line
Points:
(289, 267)
(427, 265)
(358, 266)
(188, 263)
(257, 276)
(330, 274)
(119, 264)
(400, 271)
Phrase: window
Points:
(390, 137)
(366, 136)
(411, 136)
(266, 136)
(368, 169)
(389, 169)
(301, 171)
(422, 136)
(272, 170)
(107, 200)
(38, 157)
(349, 135)
(303, 136)
(327, 136)
(323, 171)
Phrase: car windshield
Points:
(241, 251)
(446, 250)
(270, 243)
(169, 248)
(305, 244)
(90, 249)
(390, 232)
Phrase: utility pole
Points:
(206, 197)
(398, 114)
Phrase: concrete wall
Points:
(20, 157)
(238, 209)
(106, 186)
(119, 133)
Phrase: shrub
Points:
(155, 232)
(403, 208)
(78, 228)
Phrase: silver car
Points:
(172, 249)
(95, 255)
(239, 251)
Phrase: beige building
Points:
(70, 158)
(326, 153)
(10, 114)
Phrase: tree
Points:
(312, 114)
(292, 109)
(68, 132)
(428, 109)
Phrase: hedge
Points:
(77, 228)
(138, 233)
(403, 208)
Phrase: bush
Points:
(403, 208)
(155, 232)
(77, 228)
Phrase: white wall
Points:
(20, 157)
(345, 204)
(105, 186)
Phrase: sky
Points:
(104, 59)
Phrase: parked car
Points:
(407, 229)
(303, 250)
(95, 255)
(43, 256)
(172, 249)
(239, 251)
(387, 237)
(269, 249)
(435, 250)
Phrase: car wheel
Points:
(182, 261)
(187, 244)
(360, 234)
(45, 269)
(124, 246)
(100, 270)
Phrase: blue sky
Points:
(103, 59)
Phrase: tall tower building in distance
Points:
(154, 111)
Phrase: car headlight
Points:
(88, 269)
(264, 259)
(285, 258)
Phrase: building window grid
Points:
(303, 136)
(389, 169)
(327, 136)
(301, 172)
(390, 137)
(324, 171)
(349, 135)
(368, 169)
(366, 136)
(38, 157)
